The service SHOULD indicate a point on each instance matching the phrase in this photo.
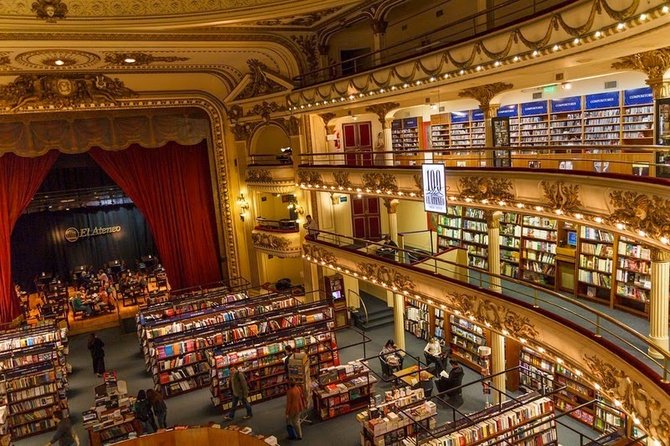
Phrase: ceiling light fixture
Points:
(129, 60)
(59, 62)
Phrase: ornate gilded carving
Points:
(309, 177)
(391, 205)
(418, 182)
(486, 188)
(265, 109)
(260, 84)
(49, 10)
(269, 241)
(259, 176)
(342, 180)
(5, 60)
(319, 254)
(485, 93)
(309, 48)
(654, 63)
(381, 110)
(380, 181)
(615, 383)
(139, 59)
(499, 317)
(299, 20)
(56, 59)
(235, 113)
(293, 126)
(242, 132)
(327, 117)
(386, 275)
(650, 214)
(562, 196)
(62, 90)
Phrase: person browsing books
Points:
(64, 434)
(295, 405)
(240, 389)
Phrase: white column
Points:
(658, 303)
(388, 143)
(392, 211)
(498, 365)
(399, 320)
(353, 298)
(493, 224)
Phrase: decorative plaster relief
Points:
(49, 10)
(341, 179)
(386, 275)
(319, 254)
(140, 59)
(562, 196)
(259, 176)
(309, 177)
(486, 188)
(380, 181)
(650, 214)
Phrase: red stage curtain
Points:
(19, 180)
(171, 186)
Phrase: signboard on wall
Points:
(434, 188)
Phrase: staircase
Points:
(379, 314)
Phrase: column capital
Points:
(379, 26)
(484, 94)
(654, 64)
(381, 110)
(660, 255)
(391, 205)
(493, 219)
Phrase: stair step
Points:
(380, 322)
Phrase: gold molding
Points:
(654, 64)
(650, 214)
(380, 181)
(385, 275)
(309, 177)
(341, 179)
(652, 414)
(495, 316)
(276, 244)
(319, 254)
(49, 10)
(259, 176)
(486, 188)
(119, 58)
(381, 110)
(484, 94)
(562, 196)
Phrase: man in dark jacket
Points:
(63, 435)
(455, 380)
(240, 389)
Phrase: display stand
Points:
(342, 389)
(335, 292)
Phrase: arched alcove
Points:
(268, 140)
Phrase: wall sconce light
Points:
(244, 206)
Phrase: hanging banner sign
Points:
(566, 104)
(602, 100)
(508, 111)
(434, 188)
(534, 108)
(477, 115)
(410, 123)
(74, 234)
(460, 117)
(638, 96)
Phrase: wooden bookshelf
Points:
(510, 244)
(538, 253)
(343, 389)
(465, 339)
(534, 124)
(449, 228)
(439, 132)
(595, 264)
(633, 276)
(476, 238)
(407, 135)
(417, 318)
(261, 358)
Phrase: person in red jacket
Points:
(295, 405)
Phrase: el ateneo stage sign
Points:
(434, 188)
(74, 234)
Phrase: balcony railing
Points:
(280, 159)
(283, 225)
(453, 32)
(589, 319)
(640, 161)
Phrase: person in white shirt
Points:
(432, 352)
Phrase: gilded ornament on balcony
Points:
(139, 59)
(319, 254)
(342, 180)
(49, 10)
(654, 63)
(562, 196)
(62, 90)
(327, 117)
(234, 112)
(486, 188)
(265, 109)
(259, 176)
(309, 177)
(484, 94)
(242, 132)
(418, 182)
(381, 110)
(616, 384)
(380, 181)
(309, 48)
(498, 316)
(384, 274)
(650, 214)
(260, 84)
(270, 242)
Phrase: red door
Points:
(365, 218)
(358, 143)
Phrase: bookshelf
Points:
(335, 293)
(512, 112)
(449, 232)
(566, 125)
(476, 238)
(602, 119)
(343, 389)
(638, 117)
(262, 357)
(633, 276)
(439, 324)
(459, 133)
(407, 135)
(596, 259)
(537, 372)
(510, 244)
(417, 318)
(465, 339)
(534, 124)
(33, 381)
(528, 421)
(477, 129)
(538, 252)
(439, 131)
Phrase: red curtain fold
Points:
(19, 180)
(171, 186)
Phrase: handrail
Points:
(360, 299)
(519, 293)
(424, 44)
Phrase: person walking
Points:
(64, 434)
(159, 407)
(96, 347)
(454, 381)
(295, 405)
(143, 412)
(240, 388)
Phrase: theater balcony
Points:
(276, 237)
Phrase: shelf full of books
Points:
(510, 244)
(633, 275)
(33, 380)
(342, 389)
(476, 238)
(538, 253)
(417, 318)
(398, 415)
(596, 258)
(571, 394)
(262, 359)
(528, 420)
(449, 228)
(466, 338)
